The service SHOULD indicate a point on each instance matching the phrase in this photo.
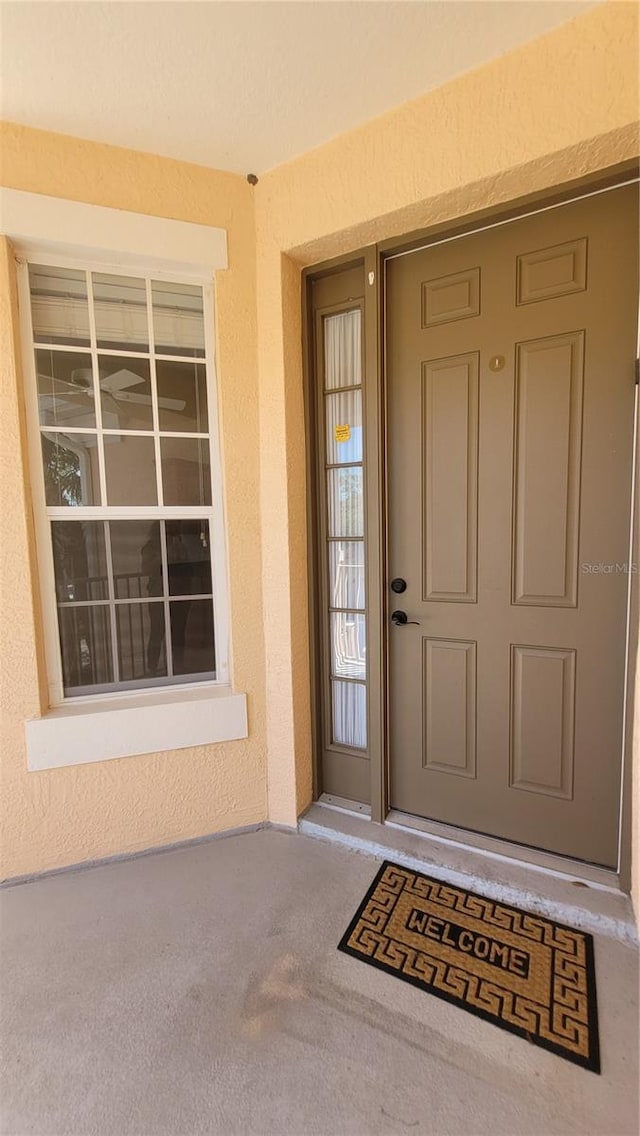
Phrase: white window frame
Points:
(43, 513)
(98, 726)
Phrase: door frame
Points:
(374, 259)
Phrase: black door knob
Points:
(399, 618)
(398, 584)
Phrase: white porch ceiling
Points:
(243, 85)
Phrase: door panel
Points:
(548, 435)
(510, 385)
(449, 701)
(450, 485)
(543, 705)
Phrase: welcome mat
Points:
(530, 975)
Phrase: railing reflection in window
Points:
(86, 646)
(135, 601)
(346, 574)
(348, 636)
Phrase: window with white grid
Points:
(123, 433)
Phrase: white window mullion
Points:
(154, 394)
(120, 352)
(129, 512)
(115, 660)
(143, 434)
(98, 395)
(165, 591)
(68, 348)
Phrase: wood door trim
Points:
(376, 533)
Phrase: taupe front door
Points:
(510, 372)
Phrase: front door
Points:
(510, 383)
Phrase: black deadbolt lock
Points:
(398, 585)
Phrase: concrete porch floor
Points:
(200, 991)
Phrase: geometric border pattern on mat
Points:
(550, 999)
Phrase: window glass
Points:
(346, 574)
(346, 513)
(125, 393)
(188, 557)
(178, 319)
(130, 468)
(186, 473)
(71, 468)
(182, 397)
(59, 306)
(348, 641)
(66, 392)
(85, 639)
(141, 641)
(192, 645)
(344, 427)
(343, 350)
(80, 560)
(340, 385)
(136, 559)
(349, 712)
(120, 306)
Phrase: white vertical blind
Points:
(343, 350)
(349, 712)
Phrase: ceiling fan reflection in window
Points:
(115, 388)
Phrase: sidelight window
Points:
(342, 399)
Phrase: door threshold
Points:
(344, 805)
(589, 905)
(577, 870)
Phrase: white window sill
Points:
(97, 730)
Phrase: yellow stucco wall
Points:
(553, 110)
(67, 815)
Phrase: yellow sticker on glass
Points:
(342, 433)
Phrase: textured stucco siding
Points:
(63, 816)
(556, 109)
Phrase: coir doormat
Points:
(530, 975)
